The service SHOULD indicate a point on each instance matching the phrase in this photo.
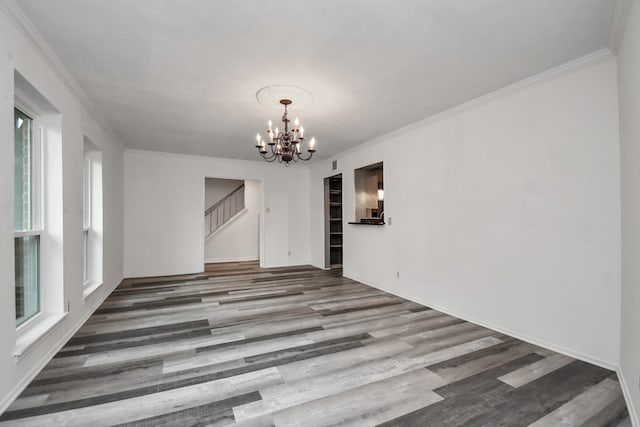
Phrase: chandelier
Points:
(285, 146)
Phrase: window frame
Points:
(87, 201)
(92, 220)
(369, 198)
(48, 213)
(36, 173)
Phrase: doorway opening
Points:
(333, 221)
(232, 220)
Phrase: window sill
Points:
(89, 288)
(361, 222)
(39, 328)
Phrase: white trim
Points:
(25, 104)
(24, 25)
(256, 177)
(618, 24)
(535, 341)
(85, 257)
(37, 171)
(89, 288)
(27, 233)
(54, 348)
(633, 415)
(217, 260)
(87, 196)
(40, 328)
(587, 60)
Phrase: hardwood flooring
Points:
(239, 345)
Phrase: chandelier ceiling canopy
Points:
(270, 96)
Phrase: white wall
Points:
(216, 189)
(20, 52)
(238, 239)
(164, 198)
(505, 211)
(629, 95)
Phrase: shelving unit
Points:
(334, 238)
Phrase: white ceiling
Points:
(181, 76)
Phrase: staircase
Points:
(223, 211)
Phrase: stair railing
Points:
(223, 211)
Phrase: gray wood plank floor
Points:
(240, 345)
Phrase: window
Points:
(38, 216)
(86, 215)
(92, 217)
(27, 230)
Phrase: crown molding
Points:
(568, 67)
(201, 157)
(24, 25)
(618, 24)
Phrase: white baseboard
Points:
(633, 415)
(19, 388)
(532, 340)
(232, 259)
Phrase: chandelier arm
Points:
(268, 159)
(265, 154)
(304, 159)
(274, 151)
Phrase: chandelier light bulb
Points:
(312, 144)
(270, 124)
(297, 123)
(301, 132)
(258, 139)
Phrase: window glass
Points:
(23, 178)
(27, 260)
(27, 239)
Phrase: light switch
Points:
(389, 220)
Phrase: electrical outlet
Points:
(389, 221)
(397, 274)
